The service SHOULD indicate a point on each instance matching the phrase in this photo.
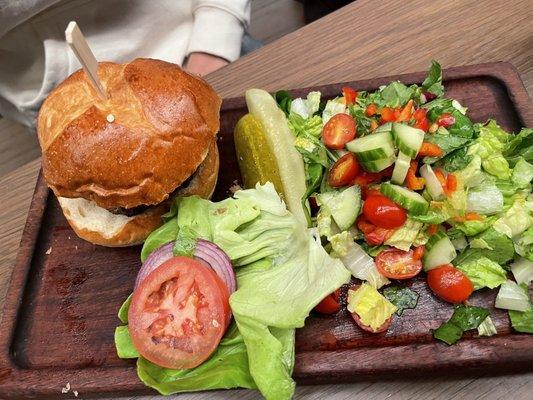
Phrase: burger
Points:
(116, 164)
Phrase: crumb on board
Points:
(235, 187)
(48, 251)
(66, 389)
(75, 393)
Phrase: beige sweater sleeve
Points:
(219, 26)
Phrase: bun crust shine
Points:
(134, 148)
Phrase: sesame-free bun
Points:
(100, 226)
(116, 163)
(135, 147)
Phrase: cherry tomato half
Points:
(383, 212)
(329, 304)
(378, 236)
(338, 131)
(179, 313)
(450, 284)
(344, 171)
(398, 264)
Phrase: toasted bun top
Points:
(163, 122)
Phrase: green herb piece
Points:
(522, 321)
(402, 297)
(463, 319)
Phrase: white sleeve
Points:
(219, 26)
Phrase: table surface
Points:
(362, 40)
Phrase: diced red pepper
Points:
(406, 112)
(371, 110)
(411, 180)
(350, 95)
(430, 149)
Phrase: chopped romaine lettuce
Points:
(522, 321)
(523, 244)
(312, 150)
(522, 270)
(470, 174)
(516, 219)
(503, 249)
(404, 237)
(474, 227)
(372, 308)
(395, 94)
(513, 296)
(487, 328)
(463, 319)
(311, 126)
(489, 146)
(485, 199)
(522, 173)
(402, 297)
(335, 106)
(433, 82)
(362, 266)
(305, 108)
(483, 272)
(447, 143)
(520, 146)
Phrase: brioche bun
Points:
(154, 133)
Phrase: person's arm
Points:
(217, 34)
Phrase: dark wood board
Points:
(60, 310)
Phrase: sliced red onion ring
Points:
(205, 251)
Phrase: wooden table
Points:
(363, 40)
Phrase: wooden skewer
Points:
(83, 52)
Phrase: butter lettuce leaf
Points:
(371, 306)
(522, 321)
(405, 236)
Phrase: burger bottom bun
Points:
(100, 226)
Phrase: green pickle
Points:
(255, 158)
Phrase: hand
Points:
(202, 63)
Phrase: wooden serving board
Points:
(60, 310)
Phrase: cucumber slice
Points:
(439, 251)
(386, 127)
(372, 147)
(407, 138)
(400, 168)
(411, 201)
(343, 205)
(433, 185)
(377, 165)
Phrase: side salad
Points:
(400, 182)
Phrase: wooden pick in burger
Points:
(83, 52)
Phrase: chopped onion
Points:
(205, 251)
(512, 297)
(485, 199)
(522, 270)
(362, 266)
(433, 185)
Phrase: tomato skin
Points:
(450, 284)
(338, 131)
(179, 313)
(371, 110)
(350, 95)
(329, 304)
(367, 192)
(388, 114)
(398, 264)
(383, 212)
(419, 252)
(445, 120)
(378, 236)
(367, 328)
(344, 171)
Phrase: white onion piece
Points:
(433, 185)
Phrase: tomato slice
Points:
(383, 212)
(329, 304)
(338, 131)
(344, 171)
(179, 313)
(398, 264)
(349, 95)
(450, 284)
